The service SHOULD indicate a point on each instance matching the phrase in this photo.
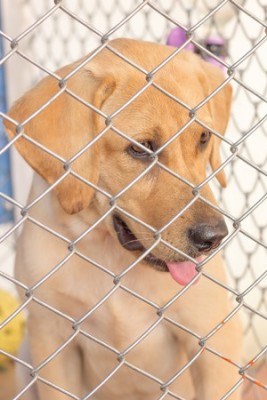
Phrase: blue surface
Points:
(6, 213)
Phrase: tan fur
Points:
(64, 127)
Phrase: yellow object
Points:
(11, 334)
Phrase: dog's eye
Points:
(205, 138)
(138, 152)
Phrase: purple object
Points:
(215, 45)
(177, 38)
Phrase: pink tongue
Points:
(183, 272)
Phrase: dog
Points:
(117, 221)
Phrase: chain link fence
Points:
(42, 36)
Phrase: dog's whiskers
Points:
(143, 239)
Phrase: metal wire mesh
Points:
(60, 32)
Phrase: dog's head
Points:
(111, 125)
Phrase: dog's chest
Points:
(120, 346)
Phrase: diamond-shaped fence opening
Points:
(122, 337)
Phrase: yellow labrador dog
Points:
(115, 227)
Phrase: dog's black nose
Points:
(206, 237)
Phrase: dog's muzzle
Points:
(126, 237)
(203, 238)
(130, 242)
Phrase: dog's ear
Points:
(57, 126)
(220, 106)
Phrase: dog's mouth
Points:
(182, 272)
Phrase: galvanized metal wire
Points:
(246, 244)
